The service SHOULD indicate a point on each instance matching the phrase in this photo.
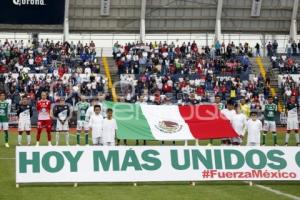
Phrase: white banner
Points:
(256, 7)
(105, 7)
(155, 163)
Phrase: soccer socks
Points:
(38, 135)
(20, 138)
(6, 136)
(67, 136)
(264, 138)
(78, 137)
(274, 138)
(57, 138)
(297, 138)
(28, 137)
(86, 137)
(287, 137)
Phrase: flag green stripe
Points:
(131, 122)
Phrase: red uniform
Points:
(44, 120)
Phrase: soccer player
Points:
(270, 110)
(96, 125)
(292, 120)
(62, 113)
(239, 121)
(109, 129)
(24, 113)
(229, 112)
(82, 107)
(43, 107)
(4, 117)
(254, 127)
(220, 106)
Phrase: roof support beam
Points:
(218, 21)
(66, 21)
(293, 28)
(142, 23)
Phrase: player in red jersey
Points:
(43, 107)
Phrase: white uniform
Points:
(254, 128)
(292, 118)
(109, 132)
(24, 121)
(239, 125)
(62, 116)
(96, 124)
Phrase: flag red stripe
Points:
(207, 122)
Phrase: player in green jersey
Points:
(270, 110)
(4, 117)
(82, 107)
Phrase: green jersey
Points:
(221, 106)
(4, 111)
(270, 112)
(81, 110)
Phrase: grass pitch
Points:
(234, 190)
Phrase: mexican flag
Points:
(170, 122)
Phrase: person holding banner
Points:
(62, 113)
(4, 117)
(254, 127)
(96, 125)
(292, 108)
(109, 129)
(239, 121)
(220, 106)
(24, 113)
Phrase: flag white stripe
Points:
(156, 114)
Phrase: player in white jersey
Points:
(24, 114)
(254, 128)
(229, 112)
(96, 125)
(239, 121)
(292, 120)
(109, 129)
(62, 114)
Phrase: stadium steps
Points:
(115, 78)
(107, 71)
(263, 66)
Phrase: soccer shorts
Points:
(44, 124)
(269, 126)
(292, 124)
(62, 127)
(253, 144)
(4, 126)
(96, 140)
(82, 125)
(24, 125)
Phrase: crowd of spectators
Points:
(161, 73)
(61, 69)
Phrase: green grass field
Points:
(183, 190)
